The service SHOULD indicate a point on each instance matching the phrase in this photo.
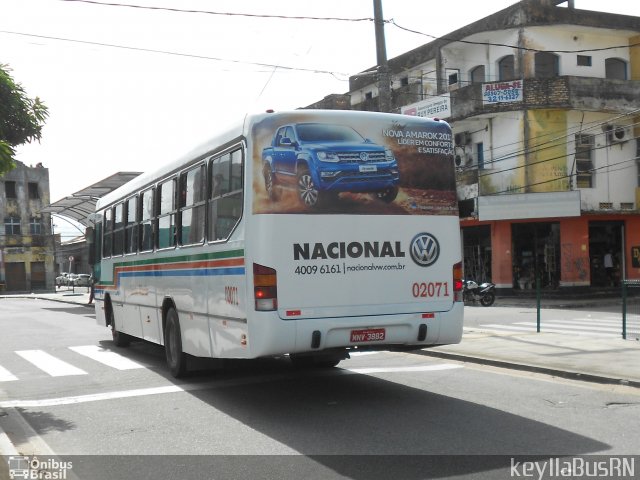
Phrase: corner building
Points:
(544, 102)
(26, 242)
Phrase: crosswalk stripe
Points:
(6, 375)
(106, 357)
(511, 328)
(574, 327)
(50, 364)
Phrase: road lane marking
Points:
(50, 364)
(106, 357)
(420, 368)
(6, 375)
(140, 392)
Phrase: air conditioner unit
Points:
(462, 139)
(463, 160)
(617, 133)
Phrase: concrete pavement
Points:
(581, 357)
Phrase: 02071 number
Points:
(430, 289)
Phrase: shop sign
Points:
(502, 92)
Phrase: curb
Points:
(568, 374)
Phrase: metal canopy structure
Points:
(81, 205)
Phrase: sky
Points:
(129, 89)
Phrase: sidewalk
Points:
(602, 360)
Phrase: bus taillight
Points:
(457, 282)
(264, 288)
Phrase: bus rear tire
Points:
(312, 361)
(176, 358)
(119, 339)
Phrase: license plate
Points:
(368, 335)
(368, 168)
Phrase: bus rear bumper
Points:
(376, 332)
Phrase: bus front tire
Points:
(176, 358)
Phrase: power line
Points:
(227, 14)
(177, 54)
(517, 47)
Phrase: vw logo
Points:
(364, 156)
(425, 249)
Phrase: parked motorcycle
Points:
(485, 292)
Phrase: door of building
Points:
(606, 238)
(16, 276)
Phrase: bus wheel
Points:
(119, 339)
(307, 190)
(176, 358)
(311, 361)
(388, 195)
(272, 190)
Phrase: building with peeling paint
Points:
(26, 242)
(544, 102)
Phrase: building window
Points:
(584, 161)
(615, 69)
(404, 82)
(453, 76)
(35, 226)
(12, 226)
(368, 96)
(10, 189)
(477, 74)
(547, 65)
(34, 193)
(480, 155)
(506, 68)
(584, 60)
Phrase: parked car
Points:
(62, 280)
(321, 160)
(82, 280)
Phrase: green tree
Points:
(21, 118)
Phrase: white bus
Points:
(307, 233)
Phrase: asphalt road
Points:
(382, 415)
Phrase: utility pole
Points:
(384, 84)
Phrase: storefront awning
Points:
(81, 205)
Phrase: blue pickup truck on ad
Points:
(321, 160)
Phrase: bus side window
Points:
(107, 233)
(146, 220)
(131, 226)
(225, 204)
(167, 214)
(192, 206)
(118, 229)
